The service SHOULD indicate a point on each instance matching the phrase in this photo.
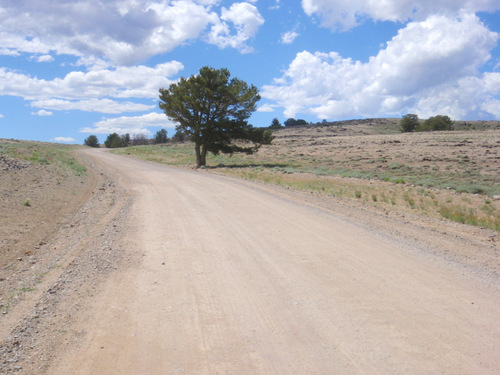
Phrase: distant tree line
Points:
(115, 140)
(290, 122)
(411, 123)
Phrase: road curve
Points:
(236, 280)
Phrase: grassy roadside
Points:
(41, 153)
(451, 176)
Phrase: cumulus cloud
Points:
(346, 14)
(44, 58)
(245, 19)
(42, 113)
(129, 124)
(122, 82)
(64, 139)
(430, 67)
(288, 37)
(267, 108)
(91, 105)
(122, 32)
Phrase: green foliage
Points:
(275, 124)
(161, 137)
(293, 122)
(113, 141)
(409, 123)
(211, 109)
(125, 138)
(436, 123)
(179, 136)
(27, 203)
(91, 141)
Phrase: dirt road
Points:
(236, 280)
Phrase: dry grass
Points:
(451, 175)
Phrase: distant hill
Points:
(374, 126)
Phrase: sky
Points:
(72, 68)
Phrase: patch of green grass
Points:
(42, 153)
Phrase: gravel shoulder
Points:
(162, 270)
(67, 246)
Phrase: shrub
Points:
(409, 123)
(437, 123)
(91, 141)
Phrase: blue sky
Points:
(71, 68)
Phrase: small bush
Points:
(436, 123)
(409, 123)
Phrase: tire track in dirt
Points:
(234, 279)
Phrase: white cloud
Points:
(131, 125)
(1, 116)
(276, 6)
(64, 139)
(346, 14)
(430, 67)
(492, 106)
(91, 105)
(246, 20)
(45, 58)
(267, 108)
(288, 37)
(42, 112)
(123, 82)
(123, 32)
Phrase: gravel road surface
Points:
(230, 278)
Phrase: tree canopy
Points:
(91, 141)
(438, 123)
(275, 124)
(212, 110)
(161, 136)
(114, 141)
(292, 122)
(409, 122)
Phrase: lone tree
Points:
(113, 141)
(275, 124)
(409, 123)
(161, 136)
(91, 141)
(212, 110)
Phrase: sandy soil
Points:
(170, 271)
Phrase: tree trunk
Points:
(204, 155)
(201, 155)
(198, 155)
